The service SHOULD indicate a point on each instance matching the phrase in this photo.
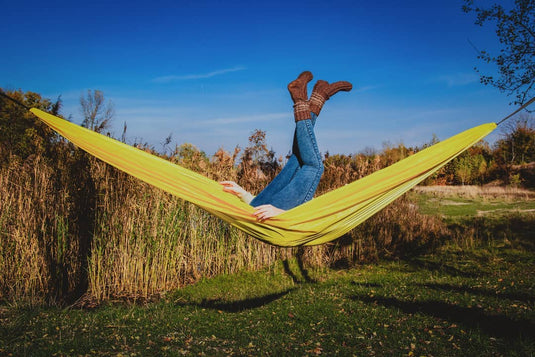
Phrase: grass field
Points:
(482, 215)
(453, 202)
(472, 300)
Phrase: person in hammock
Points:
(298, 180)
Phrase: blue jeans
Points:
(299, 178)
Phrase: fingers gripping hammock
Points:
(318, 221)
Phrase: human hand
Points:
(237, 190)
(264, 212)
(232, 187)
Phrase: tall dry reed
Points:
(39, 251)
(75, 228)
(148, 242)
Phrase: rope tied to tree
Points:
(2, 94)
(524, 106)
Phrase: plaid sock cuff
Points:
(301, 111)
(316, 102)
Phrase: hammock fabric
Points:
(318, 221)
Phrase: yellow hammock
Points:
(318, 221)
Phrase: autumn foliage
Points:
(75, 229)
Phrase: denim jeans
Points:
(299, 178)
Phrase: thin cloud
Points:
(262, 118)
(368, 88)
(174, 78)
(458, 79)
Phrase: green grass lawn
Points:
(456, 303)
(454, 207)
(475, 301)
(483, 219)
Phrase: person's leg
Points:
(302, 186)
(300, 177)
(284, 177)
(304, 182)
(279, 182)
(298, 93)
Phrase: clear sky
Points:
(210, 72)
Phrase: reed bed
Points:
(153, 242)
(36, 254)
(75, 230)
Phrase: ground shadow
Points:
(85, 198)
(520, 296)
(289, 272)
(418, 264)
(302, 270)
(240, 305)
(304, 273)
(67, 279)
(498, 326)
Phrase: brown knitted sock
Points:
(323, 91)
(298, 87)
(298, 92)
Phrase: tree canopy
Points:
(22, 133)
(515, 29)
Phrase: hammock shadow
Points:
(519, 296)
(499, 326)
(239, 305)
(303, 272)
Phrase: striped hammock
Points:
(318, 221)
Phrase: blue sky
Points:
(210, 72)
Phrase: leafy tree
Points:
(514, 154)
(515, 29)
(97, 114)
(190, 156)
(258, 164)
(518, 144)
(463, 169)
(470, 168)
(21, 133)
(392, 154)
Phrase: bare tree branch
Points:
(97, 114)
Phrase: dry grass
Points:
(73, 228)
(76, 229)
(502, 192)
